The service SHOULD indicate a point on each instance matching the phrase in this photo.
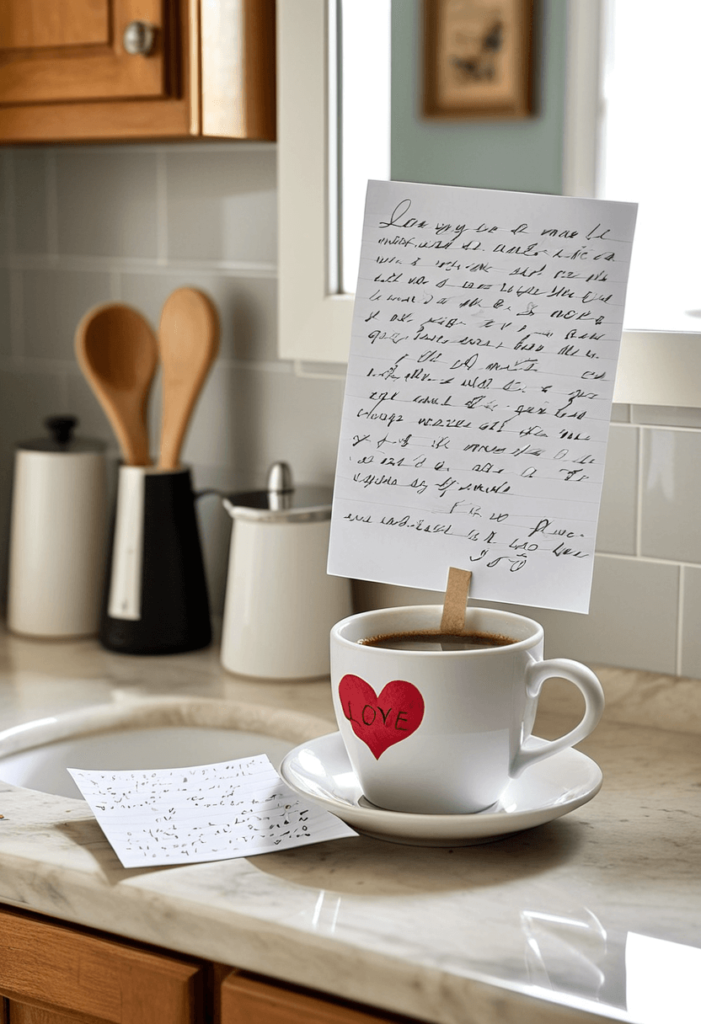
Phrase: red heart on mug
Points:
(380, 721)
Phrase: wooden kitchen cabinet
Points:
(246, 1000)
(66, 73)
(51, 973)
(56, 973)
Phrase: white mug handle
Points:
(582, 677)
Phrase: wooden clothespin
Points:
(456, 597)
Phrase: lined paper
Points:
(207, 812)
(485, 341)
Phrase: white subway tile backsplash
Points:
(53, 303)
(368, 595)
(5, 159)
(217, 433)
(331, 370)
(26, 399)
(107, 202)
(248, 418)
(81, 402)
(671, 494)
(690, 660)
(222, 205)
(632, 620)
(247, 307)
(29, 195)
(620, 413)
(5, 315)
(617, 519)
(666, 416)
(215, 530)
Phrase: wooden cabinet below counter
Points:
(91, 70)
(247, 1000)
(51, 973)
(56, 973)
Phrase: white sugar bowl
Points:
(280, 602)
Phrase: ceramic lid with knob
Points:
(61, 438)
(281, 501)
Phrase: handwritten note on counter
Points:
(485, 340)
(208, 812)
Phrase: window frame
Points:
(654, 367)
(314, 324)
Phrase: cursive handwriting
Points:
(502, 362)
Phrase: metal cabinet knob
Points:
(138, 38)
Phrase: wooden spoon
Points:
(118, 354)
(188, 339)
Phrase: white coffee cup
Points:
(443, 732)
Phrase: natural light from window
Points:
(650, 153)
(364, 119)
(649, 147)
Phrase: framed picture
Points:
(477, 58)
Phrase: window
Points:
(650, 150)
(657, 366)
(363, 135)
(607, 117)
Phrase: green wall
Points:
(522, 156)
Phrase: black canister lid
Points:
(61, 438)
(282, 501)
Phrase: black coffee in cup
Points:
(434, 640)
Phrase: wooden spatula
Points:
(188, 340)
(118, 354)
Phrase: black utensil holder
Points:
(168, 609)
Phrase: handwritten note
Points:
(485, 341)
(208, 812)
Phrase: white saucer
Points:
(320, 770)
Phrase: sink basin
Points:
(149, 734)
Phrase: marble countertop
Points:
(594, 916)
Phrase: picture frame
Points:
(478, 59)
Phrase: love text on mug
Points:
(381, 720)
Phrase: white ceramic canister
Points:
(58, 534)
(280, 602)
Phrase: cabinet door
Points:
(51, 973)
(54, 50)
(247, 1000)
(65, 75)
(20, 1013)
